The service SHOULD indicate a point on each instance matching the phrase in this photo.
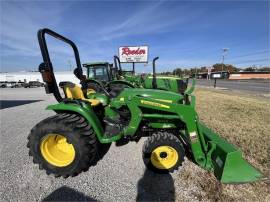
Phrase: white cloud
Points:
(150, 19)
(20, 25)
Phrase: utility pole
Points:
(224, 51)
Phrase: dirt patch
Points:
(244, 121)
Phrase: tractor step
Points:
(112, 127)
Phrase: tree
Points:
(217, 67)
(250, 69)
(265, 69)
(232, 68)
(226, 67)
(178, 72)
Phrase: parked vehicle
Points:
(3, 84)
(16, 84)
(6, 84)
(33, 84)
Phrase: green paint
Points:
(169, 111)
(164, 83)
(162, 125)
(101, 97)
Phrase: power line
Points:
(256, 60)
(250, 54)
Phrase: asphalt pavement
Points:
(251, 86)
(119, 176)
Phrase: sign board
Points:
(130, 54)
(217, 75)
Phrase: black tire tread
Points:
(83, 131)
(159, 138)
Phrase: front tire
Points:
(63, 145)
(163, 152)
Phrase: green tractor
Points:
(169, 83)
(103, 73)
(127, 75)
(82, 129)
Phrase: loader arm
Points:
(208, 149)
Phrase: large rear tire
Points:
(163, 152)
(63, 145)
(95, 87)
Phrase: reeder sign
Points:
(136, 54)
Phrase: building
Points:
(249, 75)
(213, 75)
(36, 76)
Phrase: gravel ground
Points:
(119, 176)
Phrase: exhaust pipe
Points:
(154, 82)
(116, 62)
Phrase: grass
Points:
(243, 120)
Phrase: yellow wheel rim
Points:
(164, 157)
(57, 151)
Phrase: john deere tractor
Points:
(83, 128)
(174, 84)
(114, 77)
(102, 75)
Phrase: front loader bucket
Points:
(227, 161)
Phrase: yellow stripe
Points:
(155, 104)
(168, 101)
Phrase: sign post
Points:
(209, 72)
(133, 67)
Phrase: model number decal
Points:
(154, 104)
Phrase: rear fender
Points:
(85, 111)
(94, 81)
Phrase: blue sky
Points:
(182, 33)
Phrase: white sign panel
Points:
(216, 75)
(129, 54)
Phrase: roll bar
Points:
(117, 62)
(46, 68)
(154, 81)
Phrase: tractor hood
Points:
(174, 84)
(160, 95)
